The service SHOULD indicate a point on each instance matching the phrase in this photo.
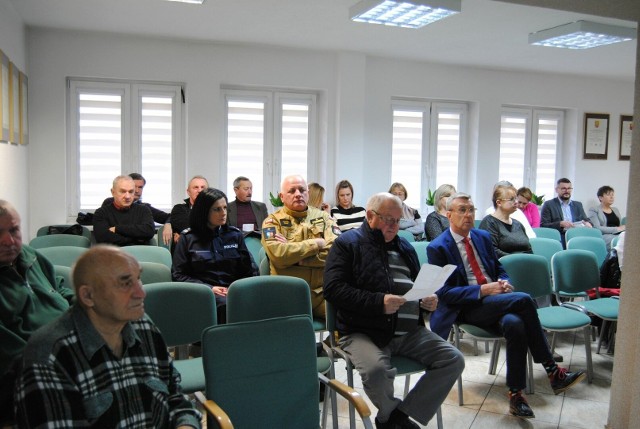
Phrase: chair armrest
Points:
(574, 306)
(350, 395)
(222, 419)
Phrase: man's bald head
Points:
(96, 267)
(10, 233)
(294, 193)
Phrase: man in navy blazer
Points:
(479, 293)
(562, 213)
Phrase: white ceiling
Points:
(487, 34)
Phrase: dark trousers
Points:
(516, 316)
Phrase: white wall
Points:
(14, 179)
(355, 110)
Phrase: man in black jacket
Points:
(367, 272)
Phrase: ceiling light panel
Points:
(582, 35)
(408, 13)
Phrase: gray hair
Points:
(197, 176)
(6, 208)
(375, 201)
(119, 178)
(457, 196)
(236, 183)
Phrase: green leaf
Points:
(275, 200)
(537, 200)
(430, 198)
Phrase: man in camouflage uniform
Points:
(297, 239)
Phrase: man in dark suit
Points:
(479, 293)
(243, 211)
(563, 213)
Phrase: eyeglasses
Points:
(511, 200)
(388, 220)
(565, 189)
(462, 211)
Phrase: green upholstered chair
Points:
(593, 244)
(615, 240)
(476, 223)
(262, 374)
(266, 297)
(546, 247)
(404, 366)
(529, 273)
(421, 250)
(60, 240)
(574, 272)
(144, 253)
(261, 255)
(407, 235)
(543, 232)
(265, 267)
(160, 240)
(582, 232)
(65, 273)
(44, 230)
(254, 245)
(62, 255)
(153, 272)
(182, 311)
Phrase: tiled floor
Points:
(485, 401)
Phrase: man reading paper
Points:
(367, 272)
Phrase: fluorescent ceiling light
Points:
(189, 1)
(582, 35)
(407, 13)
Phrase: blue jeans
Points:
(516, 316)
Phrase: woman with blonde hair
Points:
(437, 221)
(316, 197)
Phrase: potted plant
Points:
(430, 198)
(537, 200)
(275, 200)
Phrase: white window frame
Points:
(430, 110)
(131, 132)
(273, 100)
(532, 117)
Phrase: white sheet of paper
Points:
(429, 280)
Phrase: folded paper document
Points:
(429, 280)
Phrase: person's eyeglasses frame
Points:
(388, 220)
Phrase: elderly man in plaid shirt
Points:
(102, 364)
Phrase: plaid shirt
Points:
(71, 379)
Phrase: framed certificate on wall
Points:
(4, 97)
(24, 124)
(626, 131)
(596, 135)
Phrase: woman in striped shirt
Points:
(347, 215)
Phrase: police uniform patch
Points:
(285, 222)
(269, 232)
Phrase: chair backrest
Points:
(153, 272)
(160, 240)
(476, 223)
(421, 250)
(407, 235)
(266, 297)
(528, 273)
(623, 221)
(144, 253)
(265, 267)
(582, 232)
(546, 247)
(180, 310)
(60, 240)
(543, 232)
(254, 245)
(263, 373)
(331, 311)
(615, 240)
(62, 255)
(44, 230)
(261, 255)
(593, 244)
(574, 271)
(65, 273)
